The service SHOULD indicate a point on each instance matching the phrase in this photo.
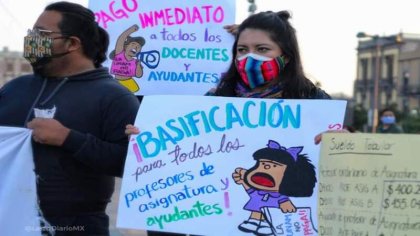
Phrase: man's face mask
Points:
(256, 70)
(37, 48)
(388, 120)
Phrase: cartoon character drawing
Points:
(125, 64)
(278, 174)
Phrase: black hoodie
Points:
(78, 176)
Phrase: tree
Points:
(411, 124)
(359, 117)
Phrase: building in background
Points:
(12, 65)
(388, 74)
(349, 114)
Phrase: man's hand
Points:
(48, 131)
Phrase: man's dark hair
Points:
(385, 110)
(79, 21)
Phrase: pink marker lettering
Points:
(179, 16)
(137, 152)
(103, 17)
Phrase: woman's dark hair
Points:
(79, 21)
(296, 85)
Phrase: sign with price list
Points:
(369, 184)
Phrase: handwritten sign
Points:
(167, 47)
(225, 166)
(369, 185)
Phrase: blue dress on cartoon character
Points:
(261, 198)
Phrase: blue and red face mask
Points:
(256, 70)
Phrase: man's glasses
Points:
(41, 32)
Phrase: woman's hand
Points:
(233, 29)
(318, 137)
(131, 129)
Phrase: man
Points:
(388, 124)
(78, 115)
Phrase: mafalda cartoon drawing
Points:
(279, 173)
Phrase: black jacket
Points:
(77, 177)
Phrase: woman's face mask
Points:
(256, 70)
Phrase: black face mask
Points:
(38, 66)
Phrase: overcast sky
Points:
(326, 30)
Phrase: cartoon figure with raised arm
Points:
(278, 174)
(125, 64)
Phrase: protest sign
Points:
(18, 211)
(203, 165)
(167, 47)
(369, 184)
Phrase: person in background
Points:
(388, 123)
(77, 113)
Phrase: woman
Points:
(267, 63)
